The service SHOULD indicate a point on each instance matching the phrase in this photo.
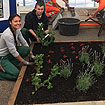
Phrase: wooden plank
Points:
(77, 103)
(18, 83)
(21, 75)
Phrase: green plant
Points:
(36, 81)
(98, 68)
(98, 65)
(84, 55)
(43, 37)
(85, 80)
(54, 73)
(103, 48)
(65, 69)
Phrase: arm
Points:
(19, 58)
(66, 3)
(33, 33)
(9, 40)
(57, 6)
(94, 14)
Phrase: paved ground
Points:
(6, 87)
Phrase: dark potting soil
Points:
(63, 90)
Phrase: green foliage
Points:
(98, 68)
(98, 65)
(54, 73)
(45, 41)
(84, 55)
(36, 81)
(84, 81)
(103, 48)
(65, 69)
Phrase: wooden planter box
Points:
(18, 83)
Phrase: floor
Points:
(6, 87)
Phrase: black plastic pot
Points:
(69, 26)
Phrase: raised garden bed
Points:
(63, 91)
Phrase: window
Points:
(75, 3)
(81, 3)
(26, 2)
(1, 8)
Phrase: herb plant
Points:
(66, 69)
(103, 48)
(85, 80)
(98, 64)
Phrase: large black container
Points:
(69, 26)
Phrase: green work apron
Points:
(10, 63)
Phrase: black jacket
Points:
(31, 21)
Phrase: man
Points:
(101, 7)
(33, 19)
(52, 7)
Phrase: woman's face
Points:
(15, 23)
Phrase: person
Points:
(99, 9)
(11, 54)
(32, 21)
(52, 7)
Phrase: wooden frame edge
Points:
(21, 75)
(18, 83)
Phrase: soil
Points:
(63, 90)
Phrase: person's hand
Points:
(1, 68)
(70, 8)
(91, 15)
(49, 35)
(67, 5)
(31, 57)
(26, 63)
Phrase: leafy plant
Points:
(36, 81)
(98, 65)
(65, 69)
(85, 80)
(43, 37)
(84, 55)
(54, 73)
(103, 48)
(98, 68)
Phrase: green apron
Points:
(10, 63)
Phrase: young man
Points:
(33, 19)
(101, 6)
(52, 7)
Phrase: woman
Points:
(10, 53)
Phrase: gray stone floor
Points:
(6, 87)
